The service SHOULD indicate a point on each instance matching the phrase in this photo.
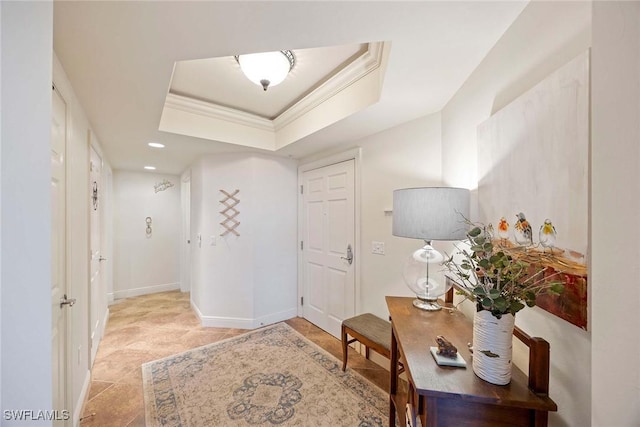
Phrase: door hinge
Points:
(301, 300)
(301, 245)
(302, 189)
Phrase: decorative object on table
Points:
(501, 279)
(445, 348)
(522, 231)
(548, 127)
(230, 201)
(547, 234)
(270, 376)
(457, 361)
(503, 229)
(148, 231)
(161, 186)
(428, 213)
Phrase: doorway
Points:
(96, 293)
(59, 301)
(328, 267)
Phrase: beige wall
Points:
(615, 180)
(544, 37)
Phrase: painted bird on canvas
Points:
(503, 229)
(547, 234)
(522, 231)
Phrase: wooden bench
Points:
(371, 331)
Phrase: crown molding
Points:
(366, 63)
(357, 70)
(215, 111)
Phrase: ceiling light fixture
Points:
(150, 168)
(268, 68)
(155, 145)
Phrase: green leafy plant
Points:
(500, 277)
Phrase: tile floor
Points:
(150, 327)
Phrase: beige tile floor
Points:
(150, 327)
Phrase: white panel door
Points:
(329, 245)
(61, 399)
(95, 220)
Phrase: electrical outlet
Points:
(377, 248)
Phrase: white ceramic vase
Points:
(492, 347)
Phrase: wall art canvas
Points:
(533, 158)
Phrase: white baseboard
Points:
(275, 317)
(105, 320)
(128, 293)
(110, 298)
(102, 326)
(239, 322)
(77, 412)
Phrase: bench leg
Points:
(366, 352)
(345, 348)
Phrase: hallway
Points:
(150, 327)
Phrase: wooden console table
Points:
(447, 396)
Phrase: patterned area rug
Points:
(272, 376)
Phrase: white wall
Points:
(144, 264)
(521, 58)
(25, 313)
(249, 280)
(615, 179)
(405, 156)
(1, 406)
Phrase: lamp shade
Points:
(431, 213)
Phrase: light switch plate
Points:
(377, 248)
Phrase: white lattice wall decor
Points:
(230, 212)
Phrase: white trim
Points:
(242, 323)
(102, 326)
(369, 61)
(110, 298)
(222, 322)
(354, 154)
(128, 293)
(275, 318)
(359, 68)
(83, 394)
(215, 111)
(360, 80)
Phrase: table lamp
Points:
(429, 213)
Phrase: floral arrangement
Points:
(500, 277)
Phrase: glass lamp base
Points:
(427, 305)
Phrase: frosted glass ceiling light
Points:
(268, 68)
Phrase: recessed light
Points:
(155, 145)
(150, 168)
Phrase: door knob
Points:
(349, 256)
(67, 301)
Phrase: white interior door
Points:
(329, 245)
(61, 398)
(95, 219)
(185, 268)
